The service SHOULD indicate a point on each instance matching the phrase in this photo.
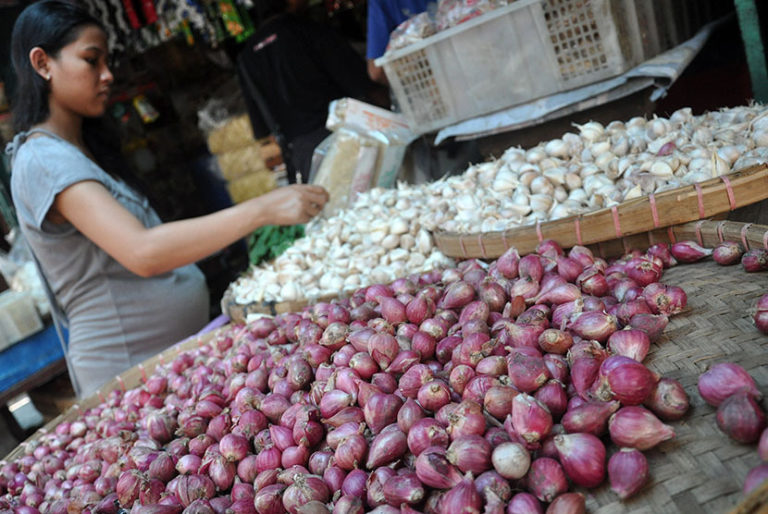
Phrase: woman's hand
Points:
(292, 204)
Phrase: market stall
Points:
(572, 326)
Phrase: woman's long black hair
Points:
(52, 25)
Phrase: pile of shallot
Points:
(481, 388)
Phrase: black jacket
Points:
(299, 67)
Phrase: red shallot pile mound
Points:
(484, 388)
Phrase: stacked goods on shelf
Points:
(437, 395)
(245, 163)
(598, 167)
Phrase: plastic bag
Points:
(452, 12)
(366, 150)
(410, 31)
(347, 168)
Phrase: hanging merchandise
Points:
(101, 12)
(236, 25)
(130, 12)
(148, 11)
(212, 12)
(187, 31)
(192, 11)
(118, 14)
(145, 109)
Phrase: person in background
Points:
(298, 68)
(124, 282)
(383, 17)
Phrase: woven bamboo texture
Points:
(701, 470)
(636, 216)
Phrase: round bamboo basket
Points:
(634, 218)
(238, 312)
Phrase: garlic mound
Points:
(386, 234)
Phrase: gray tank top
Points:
(116, 318)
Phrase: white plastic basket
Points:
(511, 55)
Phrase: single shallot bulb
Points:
(524, 503)
(689, 251)
(546, 479)
(583, 458)
(727, 253)
(761, 314)
(594, 325)
(630, 343)
(627, 472)
(754, 260)
(668, 400)
(664, 299)
(557, 341)
(568, 503)
(511, 460)
(434, 470)
(755, 477)
(508, 263)
(724, 379)
(741, 418)
(661, 251)
(463, 497)
(637, 427)
(625, 380)
(530, 418)
(591, 417)
(762, 446)
(644, 271)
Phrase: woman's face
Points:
(80, 78)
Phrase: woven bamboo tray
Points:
(238, 312)
(701, 470)
(639, 215)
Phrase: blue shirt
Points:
(383, 17)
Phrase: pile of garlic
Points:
(600, 166)
(377, 241)
(386, 233)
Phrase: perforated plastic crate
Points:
(514, 54)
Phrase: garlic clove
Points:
(535, 154)
(556, 148)
(572, 181)
(591, 131)
(542, 185)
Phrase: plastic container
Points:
(18, 318)
(512, 55)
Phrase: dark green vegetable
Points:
(269, 241)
